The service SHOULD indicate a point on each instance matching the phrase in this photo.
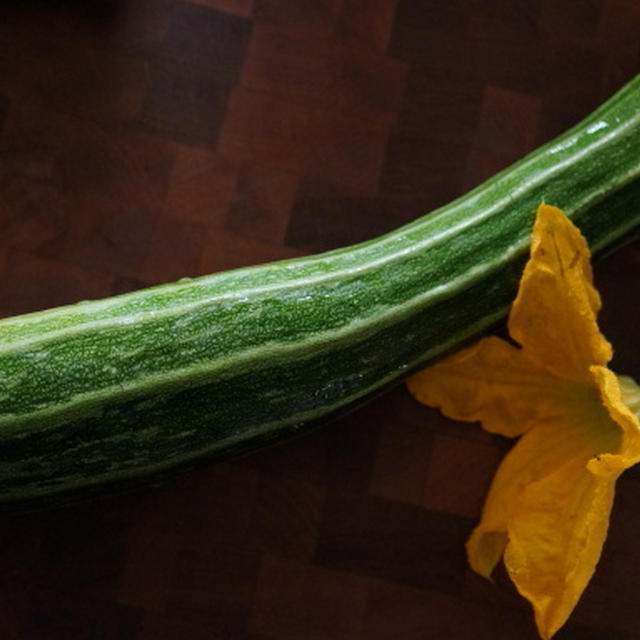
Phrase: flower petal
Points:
(554, 314)
(549, 512)
(556, 534)
(612, 392)
(495, 383)
(630, 394)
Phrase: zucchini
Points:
(108, 394)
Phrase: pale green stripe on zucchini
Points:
(113, 392)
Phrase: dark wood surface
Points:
(145, 140)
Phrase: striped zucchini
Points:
(110, 393)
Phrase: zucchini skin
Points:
(109, 394)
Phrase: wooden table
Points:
(145, 140)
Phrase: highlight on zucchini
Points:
(107, 394)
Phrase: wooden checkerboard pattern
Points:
(146, 140)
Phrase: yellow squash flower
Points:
(548, 508)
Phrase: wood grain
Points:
(147, 140)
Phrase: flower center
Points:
(593, 429)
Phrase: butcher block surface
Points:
(146, 140)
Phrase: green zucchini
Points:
(111, 393)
